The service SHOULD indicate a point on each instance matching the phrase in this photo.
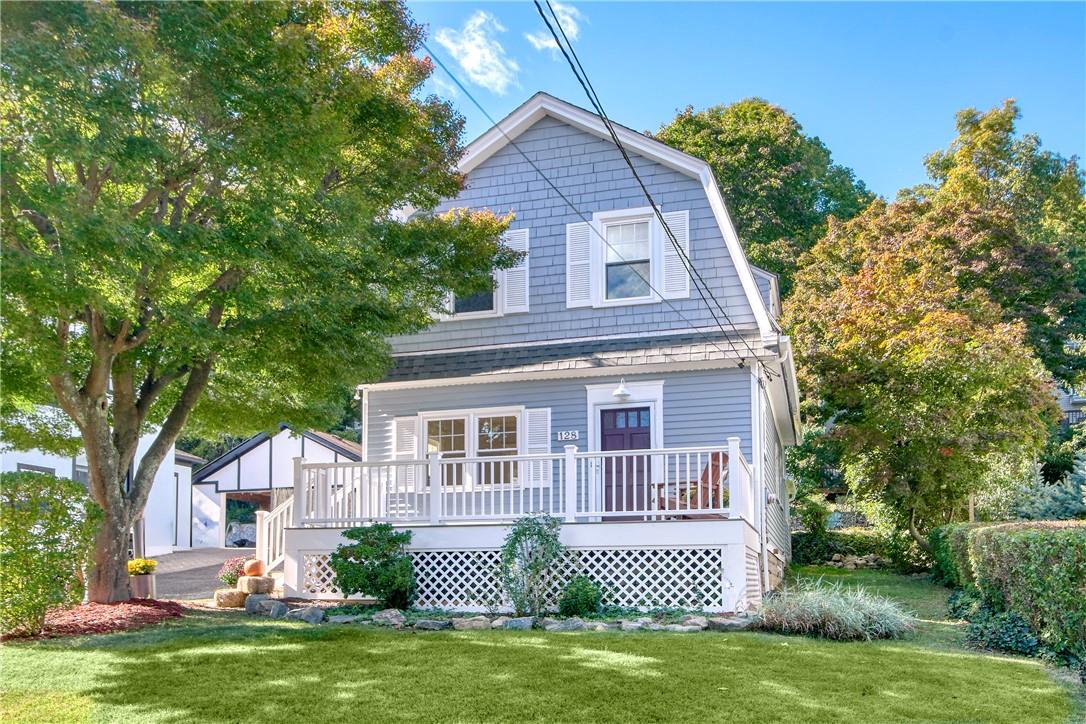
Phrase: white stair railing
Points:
(270, 533)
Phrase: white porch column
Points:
(299, 493)
(434, 474)
(738, 498)
(569, 494)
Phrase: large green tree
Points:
(921, 381)
(780, 184)
(1039, 277)
(199, 222)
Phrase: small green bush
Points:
(376, 565)
(964, 604)
(1003, 631)
(530, 550)
(47, 528)
(834, 612)
(231, 569)
(142, 566)
(581, 597)
(812, 549)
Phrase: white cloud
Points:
(444, 87)
(570, 18)
(480, 55)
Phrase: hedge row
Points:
(1036, 570)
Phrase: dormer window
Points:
(628, 255)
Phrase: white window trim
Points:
(497, 311)
(600, 221)
(471, 433)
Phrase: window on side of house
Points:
(81, 474)
(476, 435)
(474, 303)
(447, 436)
(628, 254)
(497, 436)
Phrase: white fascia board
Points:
(783, 393)
(541, 105)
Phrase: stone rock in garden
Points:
(499, 622)
(631, 625)
(389, 617)
(548, 621)
(730, 623)
(430, 624)
(230, 598)
(253, 601)
(837, 558)
(256, 584)
(570, 624)
(693, 620)
(597, 626)
(273, 608)
(521, 623)
(680, 628)
(309, 614)
(343, 618)
(475, 623)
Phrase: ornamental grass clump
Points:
(834, 611)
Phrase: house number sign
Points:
(566, 435)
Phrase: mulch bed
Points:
(99, 618)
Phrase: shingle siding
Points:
(593, 176)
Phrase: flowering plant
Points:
(231, 569)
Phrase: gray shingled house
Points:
(595, 384)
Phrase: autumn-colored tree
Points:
(780, 184)
(913, 368)
(1039, 276)
(199, 223)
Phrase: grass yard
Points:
(199, 668)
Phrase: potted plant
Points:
(141, 573)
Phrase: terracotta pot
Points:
(254, 567)
(142, 586)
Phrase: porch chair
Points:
(683, 498)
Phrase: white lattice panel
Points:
(319, 578)
(633, 577)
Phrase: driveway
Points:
(193, 574)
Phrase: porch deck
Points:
(674, 527)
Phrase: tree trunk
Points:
(108, 581)
(920, 538)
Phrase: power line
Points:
(586, 84)
(573, 207)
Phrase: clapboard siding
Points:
(592, 174)
(700, 408)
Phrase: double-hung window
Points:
(510, 292)
(628, 255)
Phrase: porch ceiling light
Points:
(621, 393)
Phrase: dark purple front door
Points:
(625, 478)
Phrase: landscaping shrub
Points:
(531, 548)
(1063, 499)
(376, 565)
(581, 597)
(951, 565)
(834, 611)
(815, 548)
(1038, 571)
(964, 604)
(141, 566)
(1003, 631)
(231, 569)
(47, 528)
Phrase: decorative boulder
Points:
(309, 614)
(522, 623)
(427, 624)
(569, 624)
(254, 567)
(680, 628)
(730, 623)
(631, 625)
(499, 622)
(253, 601)
(474, 623)
(389, 617)
(692, 620)
(273, 608)
(230, 598)
(344, 618)
(256, 584)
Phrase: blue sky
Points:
(879, 83)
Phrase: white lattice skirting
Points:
(688, 577)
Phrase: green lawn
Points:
(198, 669)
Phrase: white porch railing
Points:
(270, 525)
(663, 484)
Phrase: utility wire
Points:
(586, 84)
(573, 206)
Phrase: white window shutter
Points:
(578, 265)
(406, 445)
(674, 277)
(514, 281)
(537, 441)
